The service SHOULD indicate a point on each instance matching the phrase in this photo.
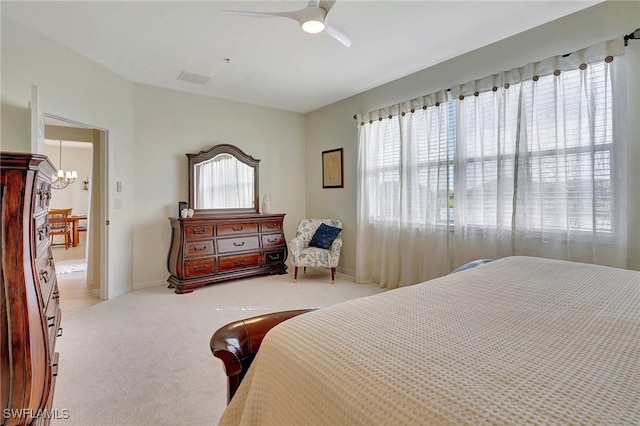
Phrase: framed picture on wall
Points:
(332, 169)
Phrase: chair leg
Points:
(295, 274)
(305, 269)
(333, 275)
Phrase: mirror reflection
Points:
(223, 180)
(223, 183)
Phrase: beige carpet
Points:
(144, 359)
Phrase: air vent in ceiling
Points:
(193, 77)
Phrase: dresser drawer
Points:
(53, 315)
(42, 194)
(272, 225)
(229, 263)
(272, 240)
(274, 256)
(199, 248)
(45, 275)
(197, 268)
(198, 232)
(230, 245)
(41, 234)
(237, 228)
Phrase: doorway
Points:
(81, 266)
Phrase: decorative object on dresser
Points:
(29, 310)
(226, 237)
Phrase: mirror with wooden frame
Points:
(223, 179)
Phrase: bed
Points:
(518, 340)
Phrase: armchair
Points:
(304, 255)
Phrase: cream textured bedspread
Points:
(519, 340)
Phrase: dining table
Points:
(74, 221)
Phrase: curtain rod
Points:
(632, 36)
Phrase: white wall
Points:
(169, 124)
(334, 126)
(73, 87)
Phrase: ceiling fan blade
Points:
(326, 4)
(338, 33)
(313, 3)
(293, 14)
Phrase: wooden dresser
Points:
(209, 249)
(29, 309)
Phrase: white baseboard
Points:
(346, 271)
(147, 284)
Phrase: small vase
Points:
(184, 213)
(266, 205)
(190, 213)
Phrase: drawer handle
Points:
(238, 244)
(44, 276)
(272, 240)
(41, 233)
(200, 268)
(271, 225)
(200, 248)
(240, 262)
(199, 231)
(240, 228)
(53, 321)
(56, 295)
(44, 195)
(59, 332)
(51, 261)
(274, 256)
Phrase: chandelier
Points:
(62, 179)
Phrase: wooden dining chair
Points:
(59, 225)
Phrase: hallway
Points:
(71, 271)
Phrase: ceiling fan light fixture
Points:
(313, 26)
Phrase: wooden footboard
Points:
(237, 343)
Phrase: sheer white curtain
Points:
(224, 182)
(541, 160)
(403, 189)
(534, 158)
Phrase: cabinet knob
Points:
(238, 244)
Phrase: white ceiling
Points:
(273, 62)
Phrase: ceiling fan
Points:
(312, 19)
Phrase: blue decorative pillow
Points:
(472, 264)
(324, 236)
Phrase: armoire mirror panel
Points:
(223, 179)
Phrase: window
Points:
(534, 155)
